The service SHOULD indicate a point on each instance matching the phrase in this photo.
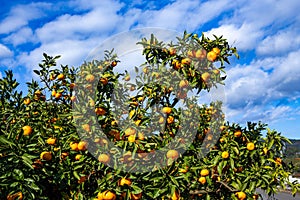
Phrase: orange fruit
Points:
(127, 78)
(86, 127)
(130, 131)
(73, 98)
(106, 195)
(141, 136)
(211, 56)
(45, 155)
(104, 158)
(175, 196)
(184, 170)
(183, 83)
(200, 54)
(176, 64)
(53, 93)
(205, 76)
(90, 78)
(74, 146)
(131, 138)
(78, 156)
(225, 154)
(161, 120)
(250, 146)
(173, 154)
(124, 181)
(204, 172)
(222, 128)
(191, 53)
(82, 145)
(114, 63)
(216, 50)
(278, 161)
(241, 195)
(216, 71)
(186, 61)
(172, 51)
(27, 130)
(238, 133)
(100, 111)
(51, 141)
(27, 101)
(60, 76)
(136, 196)
(104, 81)
(202, 180)
(170, 119)
(72, 85)
(58, 95)
(166, 110)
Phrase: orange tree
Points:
(91, 133)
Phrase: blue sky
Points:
(263, 85)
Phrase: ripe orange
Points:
(176, 64)
(172, 51)
(82, 145)
(173, 154)
(241, 195)
(211, 56)
(204, 172)
(73, 98)
(27, 101)
(106, 195)
(166, 110)
(45, 155)
(127, 78)
(27, 130)
(72, 85)
(90, 78)
(104, 81)
(191, 53)
(250, 146)
(131, 138)
(136, 196)
(202, 180)
(104, 158)
(100, 111)
(175, 196)
(225, 154)
(51, 141)
(205, 76)
(124, 181)
(170, 119)
(222, 128)
(216, 71)
(86, 127)
(186, 61)
(145, 70)
(78, 156)
(60, 76)
(278, 161)
(216, 50)
(130, 131)
(200, 54)
(141, 136)
(161, 120)
(74, 146)
(58, 95)
(238, 133)
(53, 93)
(183, 83)
(114, 63)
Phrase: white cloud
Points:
(20, 15)
(244, 37)
(5, 51)
(23, 36)
(281, 42)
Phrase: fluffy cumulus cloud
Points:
(21, 15)
(5, 52)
